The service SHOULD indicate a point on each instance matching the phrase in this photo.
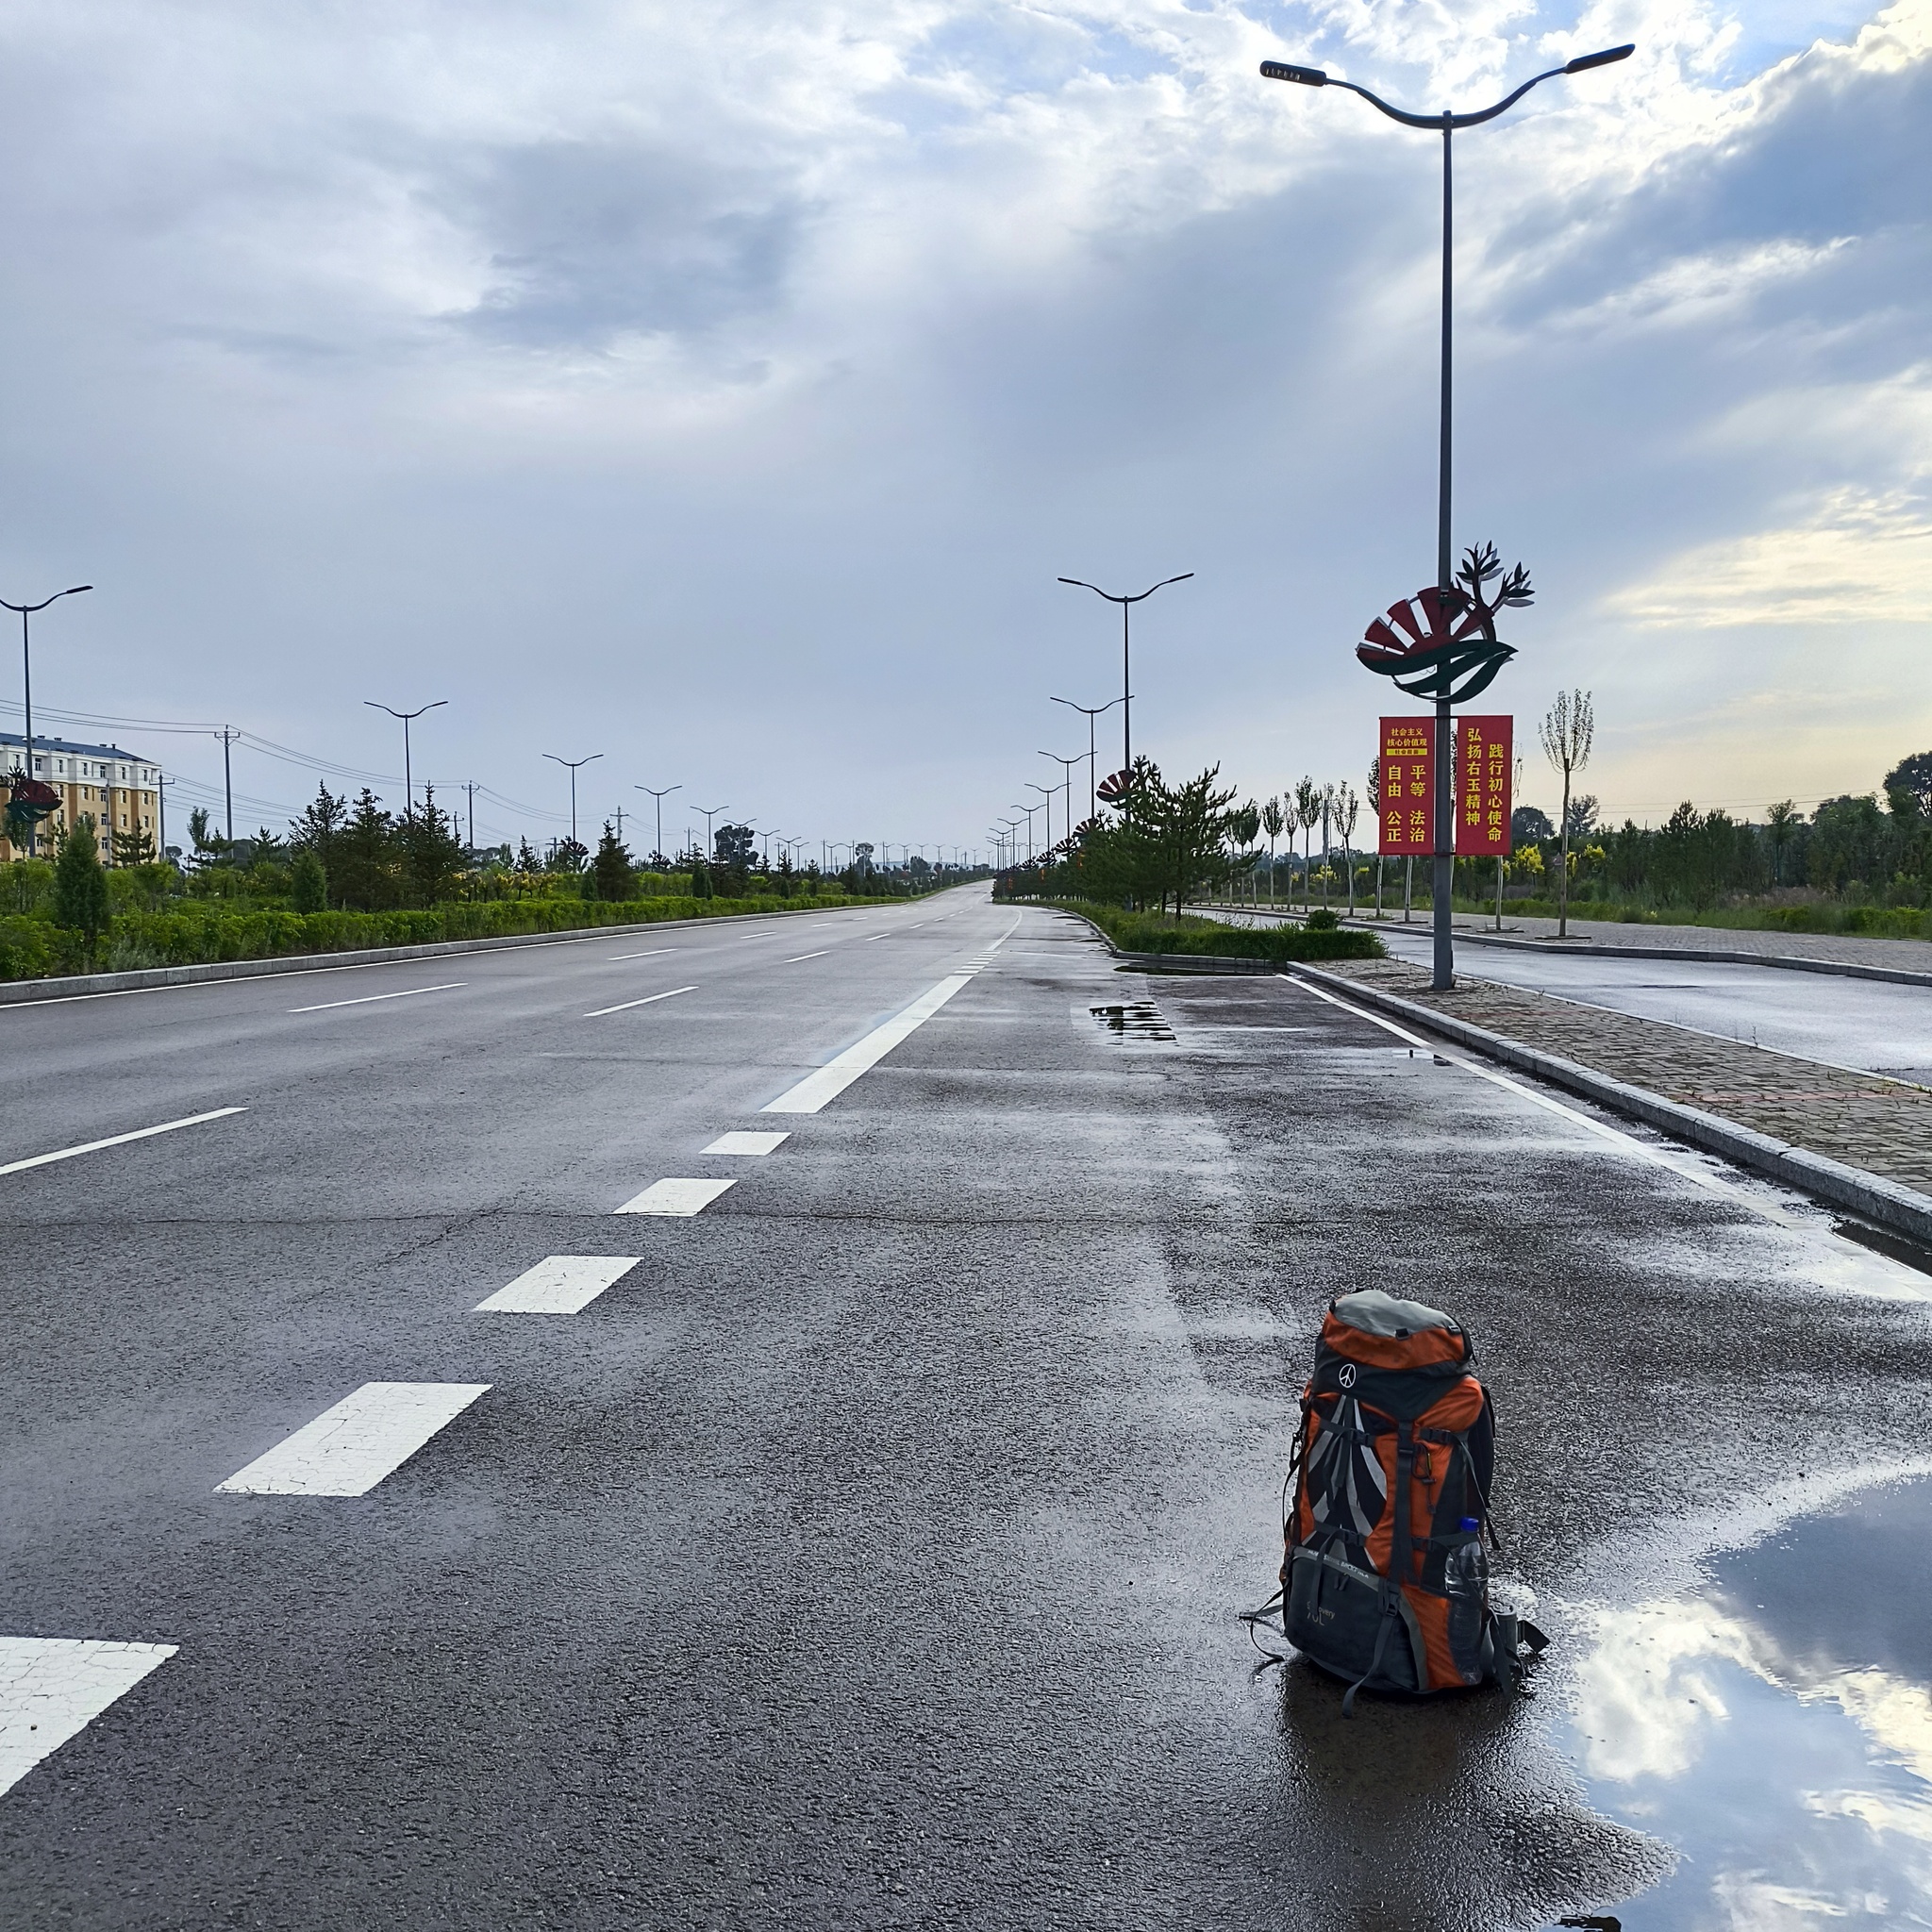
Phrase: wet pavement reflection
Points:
(1777, 1731)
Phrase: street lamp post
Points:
(1029, 810)
(1046, 792)
(1066, 784)
(1091, 712)
(571, 765)
(1446, 124)
(1127, 666)
(707, 815)
(409, 791)
(658, 851)
(26, 680)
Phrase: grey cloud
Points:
(592, 241)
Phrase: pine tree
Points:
(609, 875)
(80, 884)
(309, 882)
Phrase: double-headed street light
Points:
(571, 765)
(1126, 605)
(1446, 124)
(1066, 783)
(26, 680)
(1091, 712)
(658, 850)
(408, 717)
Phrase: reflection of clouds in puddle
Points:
(1792, 1771)
(1644, 1697)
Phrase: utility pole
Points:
(619, 825)
(227, 737)
(469, 786)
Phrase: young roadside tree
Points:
(80, 884)
(132, 848)
(1307, 815)
(1347, 807)
(609, 874)
(309, 882)
(1372, 794)
(1779, 821)
(1272, 822)
(1243, 828)
(1567, 731)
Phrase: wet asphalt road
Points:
(868, 1556)
(1870, 1025)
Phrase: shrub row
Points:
(33, 948)
(1144, 932)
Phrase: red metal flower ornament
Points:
(1442, 643)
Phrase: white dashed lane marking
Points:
(194, 1120)
(649, 999)
(806, 955)
(51, 1687)
(348, 1449)
(368, 999)
(832, 1079)
(559, 1285)
(676, 1197)
(745, 1143)
(657, 953)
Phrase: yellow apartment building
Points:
(119, 790)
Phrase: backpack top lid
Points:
(1383, 1331)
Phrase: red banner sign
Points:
(1408, 816)
(1482, 787)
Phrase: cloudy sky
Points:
(723, 389)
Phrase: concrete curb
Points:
(1708, 956)
(1886, 1202)
(16, 992)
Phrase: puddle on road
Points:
(1777, 1731)
(1134, 1019)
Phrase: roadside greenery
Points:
(1147, 932)
(352, 875)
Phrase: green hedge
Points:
(33, 948)
(1144, 932)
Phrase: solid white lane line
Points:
(676, 1197)
(194, 1120)
(832, 1079)
(808, 956)
(559, 1285)
(1629, 1143)
(649, 999)
(657, 952)
(746, 1143)
(368, 999)
(348, 1449)
(51, 1687)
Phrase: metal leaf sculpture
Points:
(1444, 643)
(29, 801)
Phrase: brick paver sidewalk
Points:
(1884, 1126)
(1911, 956)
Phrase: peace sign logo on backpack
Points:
(1345, 1375)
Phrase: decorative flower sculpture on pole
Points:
(1442, 644)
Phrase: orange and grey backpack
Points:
(1384, 1575)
